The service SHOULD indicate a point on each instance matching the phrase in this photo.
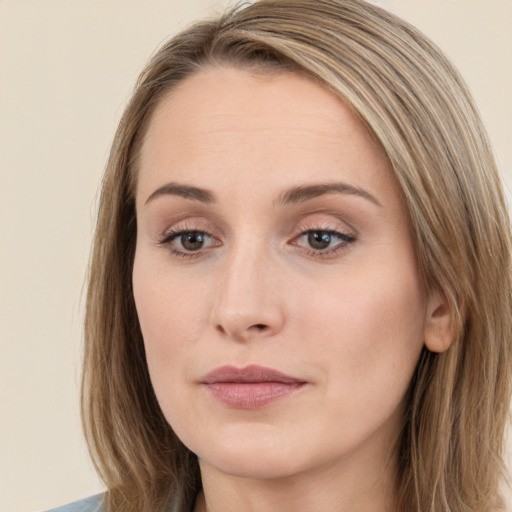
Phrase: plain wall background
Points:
(66, 71)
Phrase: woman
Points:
(300, 288)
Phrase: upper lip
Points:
(248, 374)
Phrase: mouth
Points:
(251, 387)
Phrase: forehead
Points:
(225, 124)
(250, 99)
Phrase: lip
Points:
(251, 387)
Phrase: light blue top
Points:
(90, 504)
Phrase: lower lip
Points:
(251, 395)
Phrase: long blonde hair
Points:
(416, 105)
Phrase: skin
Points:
(349, 319)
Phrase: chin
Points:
(252, 457)
(253, 466)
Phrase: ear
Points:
(439, 324)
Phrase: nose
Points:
(248, 304)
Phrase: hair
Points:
(449, 454)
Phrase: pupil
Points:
(319, 239)
(192, 241)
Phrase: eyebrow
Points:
(293, 196)
(186, 191)
(307, 192)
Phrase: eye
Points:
(319, 239)
(322, 242)
(192, 240)
(188, 243)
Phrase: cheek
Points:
(167, 302)
(370, 326)
(172, 319)
(173, 316)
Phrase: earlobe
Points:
(439, 324)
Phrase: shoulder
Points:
(90, 504)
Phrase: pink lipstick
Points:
(251, 387)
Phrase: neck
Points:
(338, 488)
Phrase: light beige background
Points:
(66, 69)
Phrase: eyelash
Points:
(170, 236)
(345, 238)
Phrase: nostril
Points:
(237, 332)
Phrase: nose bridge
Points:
(247, 304)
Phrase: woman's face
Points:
(275, 277)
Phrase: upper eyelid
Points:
(185, 225)
(335, 221)
(169, 237)
(331, 221)
(210, 229)
(173, 232)
(326, 226)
